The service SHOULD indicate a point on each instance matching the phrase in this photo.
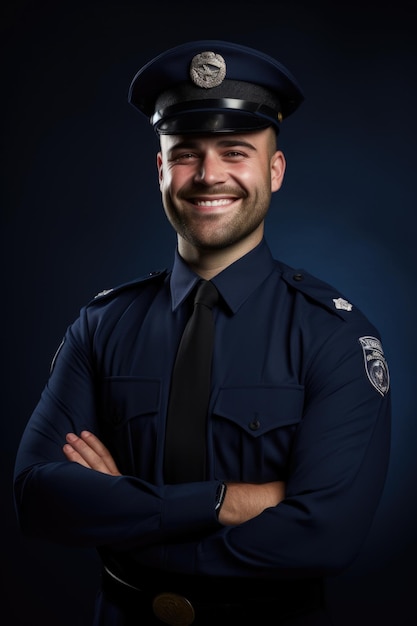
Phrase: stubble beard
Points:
(213, 232)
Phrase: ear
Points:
(278, 164)
(159, 166)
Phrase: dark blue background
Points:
(81, 212)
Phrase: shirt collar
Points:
(235, 283)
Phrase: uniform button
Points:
(255, 424)
(298, 277)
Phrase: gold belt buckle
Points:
(173, 609)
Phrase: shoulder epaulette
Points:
(108, 293)
(319, 291)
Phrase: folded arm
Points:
(242, 501)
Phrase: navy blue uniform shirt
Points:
(300, 393)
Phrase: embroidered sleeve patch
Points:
(376, 366)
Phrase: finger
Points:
(94, 454)
(73, 456)
(89, 456)
(101, 450)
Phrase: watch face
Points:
(220, 495)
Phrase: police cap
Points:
(215, 87)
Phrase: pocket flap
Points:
(126, 397)
(262, 408)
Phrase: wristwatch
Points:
(220, 496)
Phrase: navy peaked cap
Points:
(214, 87)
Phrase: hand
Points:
(87, 450)
(243, 501)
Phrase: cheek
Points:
(253, 176)
(165, 182)
(246, 177)
(172, 180)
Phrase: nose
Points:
(211, 170)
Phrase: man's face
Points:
(216, 189)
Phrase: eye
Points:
(183, 156)
(234, 155)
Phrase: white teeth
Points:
(221, 202)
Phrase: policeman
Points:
(297, 432)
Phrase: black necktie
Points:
(190, 391)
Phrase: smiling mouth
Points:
(213, 203)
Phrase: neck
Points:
(207, 263)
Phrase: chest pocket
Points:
(129, 408)
(253, 428)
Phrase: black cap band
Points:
(203, 115)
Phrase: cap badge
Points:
(207, 70)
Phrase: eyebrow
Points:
(188, 144)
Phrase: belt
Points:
(185, 600)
